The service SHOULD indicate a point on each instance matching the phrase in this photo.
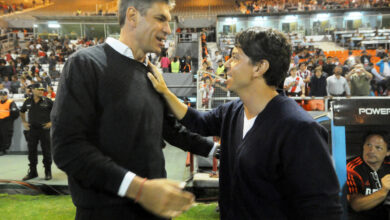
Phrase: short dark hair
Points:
(303, 63)
(141, 5)
(384, 134)
(267, 44)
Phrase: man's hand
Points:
(47, 125)
(217, 152)
(386, 182)
(162, 197)
(157, 80)
(26, 126)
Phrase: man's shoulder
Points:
(88, 53)
(232, 106)
(46, 99)
(354, 164)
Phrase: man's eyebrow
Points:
(164, 17)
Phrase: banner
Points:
(361, 112)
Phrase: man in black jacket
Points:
(108, 124)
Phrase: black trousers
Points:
(6, 132)
(119, 212)
(33, 137)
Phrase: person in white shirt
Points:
(294, 85)
(337, 85)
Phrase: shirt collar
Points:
(123, 49)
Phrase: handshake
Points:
(162, 197)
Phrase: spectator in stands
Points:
(380, 52)
(329, 66)
(220, 68)
(207, 91)
(15, 85)
(182, 63)
(50, 93)
(189, 60)
(36, 68)
(175, 65)
(25, 58)
(187, 67)
(164, 63)
(7, 83)
(317, 89)
(384, 67)
(297, 58)
(52, 63)
(2, 88)
(379, 83)
(24, 83)
(305, 75)
(359, 79)
(294, 84)
(217, 56)
(368, 179)
(46, 78)
(337, 85)
(365, 59)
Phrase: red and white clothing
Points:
(297, 87)
(304, 74)
(207, 93)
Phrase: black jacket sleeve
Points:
(74, 121)
(14, 111)
(178, 135)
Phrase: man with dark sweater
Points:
(274, 161)
(317, 89)
(109, 124)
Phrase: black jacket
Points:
(107, 120)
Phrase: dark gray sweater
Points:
(107, 120)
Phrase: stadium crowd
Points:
(266, 6)
(314, 74)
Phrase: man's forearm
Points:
(134, 187)
(23, 117)
(361, 203)
(178, 109)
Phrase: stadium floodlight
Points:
(354, 16)
(322, 17)
(231, 21)
(290, 18)
(53, 24)
(261, 19)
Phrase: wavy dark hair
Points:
(267, 44)
(141, 5)
(383, 133)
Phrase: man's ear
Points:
(131, 16)
(260, 68)
(388, 153)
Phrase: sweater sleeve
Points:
(204, 123)
(311, 182)
(74, 120)
(179, 136)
